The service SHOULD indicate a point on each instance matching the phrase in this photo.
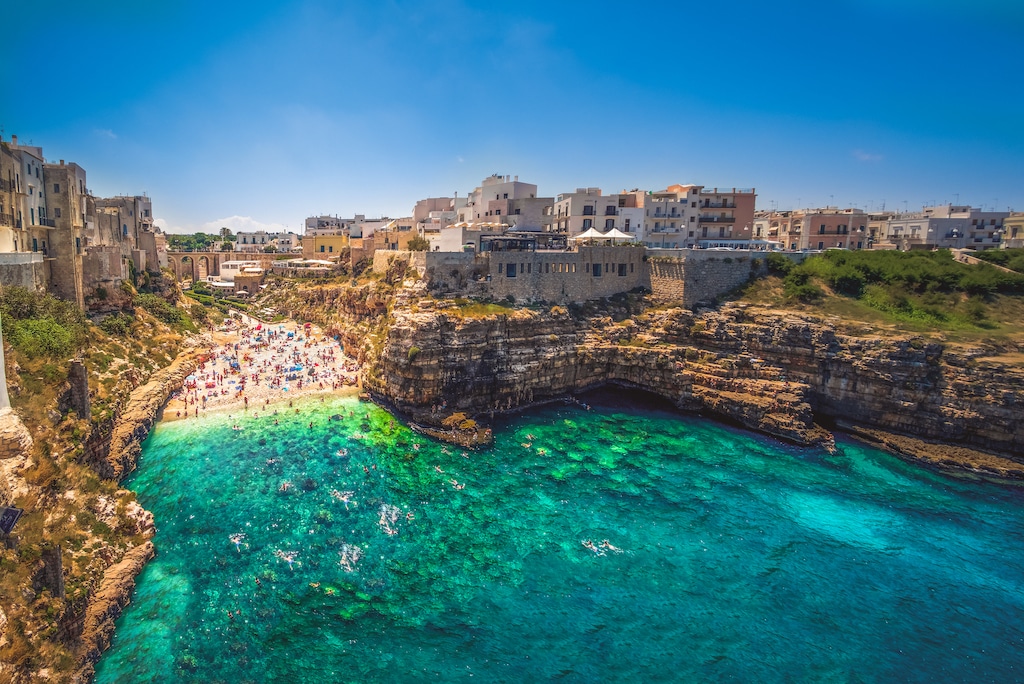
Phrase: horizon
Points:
(257, 116)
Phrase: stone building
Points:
(67, 199)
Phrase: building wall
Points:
(324, 246)
(24, 269)
(67, 195)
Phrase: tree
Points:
(419, 244)
(226, 246)
(225, 233)
(269, 249)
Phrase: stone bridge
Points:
(199, 265)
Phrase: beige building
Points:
(575, 212)
(815, 229)
(1013, 231)
(324, 246)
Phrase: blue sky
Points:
(258, 114)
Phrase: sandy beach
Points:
(255, 366)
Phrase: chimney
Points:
(14, 140)
(517, 178)
(62, 162)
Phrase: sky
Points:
(255, 115)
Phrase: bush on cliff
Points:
(40, 325)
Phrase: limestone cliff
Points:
(779, 375)
(107, 604)
(113, 448)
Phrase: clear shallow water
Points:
(741, 559)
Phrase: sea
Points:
(616, 540)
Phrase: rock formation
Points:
(780, 375)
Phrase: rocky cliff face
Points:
(113, 448)
(776, 375)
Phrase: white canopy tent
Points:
(613, 235)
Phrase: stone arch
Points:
(188, 268)
(203, 267)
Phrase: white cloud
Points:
(105, 133)
(861, 155)
(167, 228)
(241, 223)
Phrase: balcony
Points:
(717, 219)
(6, 185)
(49, 223)
(718, 205)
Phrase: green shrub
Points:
(118, 325)
(413, 352)
(778, 264)
(41, 337)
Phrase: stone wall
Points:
(24, 269)
(688, 277)
(557, 277)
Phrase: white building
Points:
(947, 225)
(258, 241)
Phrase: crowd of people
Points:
(255, 364)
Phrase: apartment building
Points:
(259, 240)
(725, 214)
(495, 199)
(670, 217)
(575, 212)
(946, 226)
(813, 229)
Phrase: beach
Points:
(254, 366)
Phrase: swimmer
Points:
(605, 544)
(438, 469)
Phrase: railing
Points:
(6, 219)
(49, 223)
(717, 219)
(718, 205)
(588, 211)
(6, 185)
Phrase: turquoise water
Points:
(737, 558)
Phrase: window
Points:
(597, 270)
(622, 270)
(692, 218)
(693, 205)
(506, 196)
(330, 248)
(631, 268)
(497, 212)
(35, 245)
(609, 224)
(821, 231)
(821, 245)
(322, 248)
(547, 267)
(627, 224)
(78, 245)
(588, 211)
(56, 187)
(587, 223)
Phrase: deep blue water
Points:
(738, 558)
